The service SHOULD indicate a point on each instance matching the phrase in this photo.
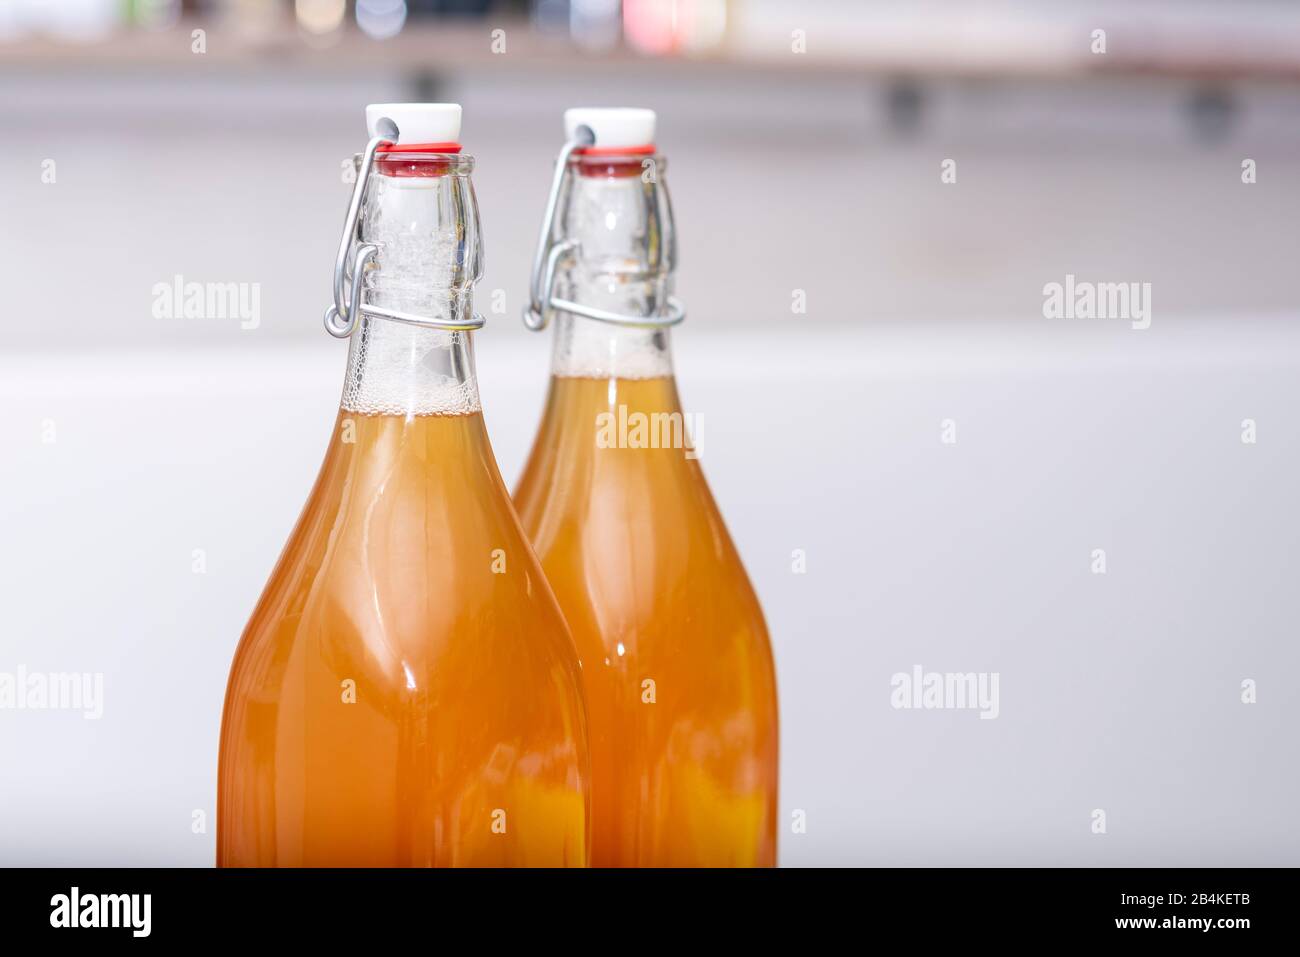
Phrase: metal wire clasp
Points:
(542, 302)
(354, 256)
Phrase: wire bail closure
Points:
(542, 302)
(354, 256)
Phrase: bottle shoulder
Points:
(408, 540)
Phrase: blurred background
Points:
(870, 199)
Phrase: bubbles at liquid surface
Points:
(398, 369)
(587, 349)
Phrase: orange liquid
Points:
(409, 587)
(654, 591)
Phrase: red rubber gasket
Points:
(389, 162)
(647, 150)
(420, 148)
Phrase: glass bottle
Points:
(676, 662)
(406, 692)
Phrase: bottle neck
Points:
(400, 369)
(589, 349)
(423, 217)
(618, 211)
